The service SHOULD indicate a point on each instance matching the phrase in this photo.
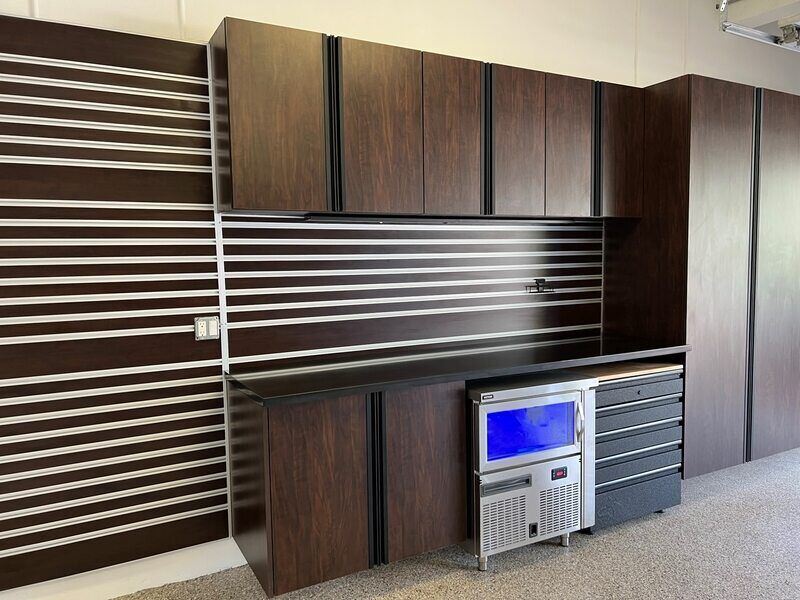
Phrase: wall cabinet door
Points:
(621, 150)
(518, 141)
(318, 477)
(381, 128)
(270, 99)
(452, 132)
(426, 468)
(776, 377)
(568, 176)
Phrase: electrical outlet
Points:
(206, 328)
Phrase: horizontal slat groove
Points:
(104, 164)
(128, 109)
(11, 533)
(111, 530)
(100, 68)
(129, 147)
(100, 87)
(100, 445)
(108, 408)
(104, 125)
(122, 424)
(45, 508)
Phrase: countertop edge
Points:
(454, 376)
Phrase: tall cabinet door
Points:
(452, 133)
(776, 376)
(381, 127)
(518, 141)
(719, 236)
(568, 177)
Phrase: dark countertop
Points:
(276, 387)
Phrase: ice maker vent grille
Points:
(503, 523)
(559, 509)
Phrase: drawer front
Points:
(633, 418)
(605, 476)
(638, 500)
(642, 390)
(639, 442)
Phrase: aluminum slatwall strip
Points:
(42, 412)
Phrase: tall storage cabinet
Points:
(690, 254)
(776, 341)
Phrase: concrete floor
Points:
(736, 536)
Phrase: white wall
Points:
(637, 42)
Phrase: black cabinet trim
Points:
(751, 303)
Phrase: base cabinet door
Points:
(318, 481)
(425, 468)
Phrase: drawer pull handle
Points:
(637, 403)
(639, 451)
(637, 427)
(638, 475)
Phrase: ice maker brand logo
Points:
(487, 396)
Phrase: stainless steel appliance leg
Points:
(483, 563)
(565, 540)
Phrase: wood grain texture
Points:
(568, 154)
(718, 265)
(451, 101)
(652, 252)
(518, 130)
(381, 105)
(318, 473)
(276, 116)
(88, 44)
(776, 378)
(251, 517)
(426, 468)
(622, 150)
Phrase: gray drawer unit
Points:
(639, 453)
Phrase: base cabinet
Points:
(425, 468)
(299, 495)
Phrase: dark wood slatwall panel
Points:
(112, 431)
(299, 291)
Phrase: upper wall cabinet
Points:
(381, 128)
(568, 154)
(411, 131)
(270, 124)
(541, 143)
(518, 140)
(452, 112)
(621, 150)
